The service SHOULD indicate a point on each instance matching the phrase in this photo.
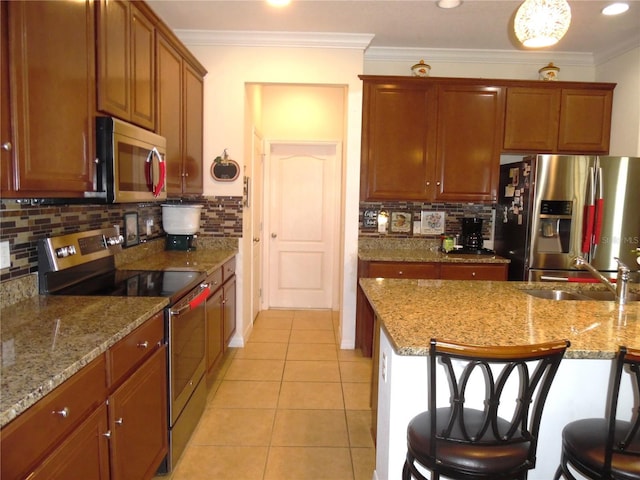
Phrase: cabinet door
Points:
(138, 420)
(6, 141)
(229, 310)
(398, 142)
(143, 87)
(192, 124)
(169, 81)
(51, 53)
(215, 345)
(114, 61)
(84, 454)
(531, 120)
(475, 271)
(585, 121)
(470, 125)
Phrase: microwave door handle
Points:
(148, 171)
(162, 168)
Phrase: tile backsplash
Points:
(23, 225)
(454, 213)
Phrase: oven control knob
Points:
(62, 252)
(71, 249)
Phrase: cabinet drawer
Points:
(473, 272)
(30, 436)
(229, 269)
(215, 280)
(403, 270)
(135, 347)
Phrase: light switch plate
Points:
(5, 255)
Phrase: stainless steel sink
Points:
(584, 295)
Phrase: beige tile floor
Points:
(289, 405)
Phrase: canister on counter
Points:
(447, 243)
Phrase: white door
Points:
(304, 184)
(255, 206)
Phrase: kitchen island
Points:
(410, 312)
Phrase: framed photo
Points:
(401, 222)
(131, 233)
(432, 223)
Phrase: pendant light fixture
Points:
(542, 23)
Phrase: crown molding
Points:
(452, 55)
(275, 39)
(629, 44)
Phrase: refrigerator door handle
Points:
(589, 213)
(599, 209)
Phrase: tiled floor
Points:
(290, 405)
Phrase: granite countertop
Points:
(46, 339)
(491, 313)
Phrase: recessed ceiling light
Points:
(615, 8)
(448, 3)
(278, 3)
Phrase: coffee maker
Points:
(472, 241)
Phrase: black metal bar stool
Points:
(493, 439)
(607, 448)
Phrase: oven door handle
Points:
(195, 302)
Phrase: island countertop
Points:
(498, 313)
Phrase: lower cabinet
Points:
(428, 270)
(221, 315)
(107, 422)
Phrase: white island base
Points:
(579, 390)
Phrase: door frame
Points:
(337, 216)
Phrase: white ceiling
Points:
(406, 24)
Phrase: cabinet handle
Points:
(6, 146)
(428, 183)
(107, 434)
(438, 184)
(144, 344)
(119, 421)
(64, 413)
(400, 272)
(473, 274)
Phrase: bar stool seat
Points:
(485, 424)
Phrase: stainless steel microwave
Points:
(130, 162)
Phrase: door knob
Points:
(6, 146)
(274, 235)
(256, 239)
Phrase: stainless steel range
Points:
(84, 264)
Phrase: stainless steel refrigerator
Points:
(552, 208)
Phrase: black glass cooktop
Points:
(136, 283)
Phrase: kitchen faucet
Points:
(620, 290)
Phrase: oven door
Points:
(186, 333)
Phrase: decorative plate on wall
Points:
(225, 171)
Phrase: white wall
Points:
(230, 69)
(625, 123)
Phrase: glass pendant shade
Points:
(542, 23)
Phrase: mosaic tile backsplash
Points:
(23, 225)
(454, 213)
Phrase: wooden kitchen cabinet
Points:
(50, 48)
(559, 118)
(430, 140)
(402, 270)
(221, 315)
(469, 141)
(108, 421)
(473, 271)
(126, 62)
(180, 87)
(398, 140)
(138, 420)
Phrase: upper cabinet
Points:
(559, 117)
(180, 117)
(48, 99)
(126, 62)
(430, 141)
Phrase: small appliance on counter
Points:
(181, 222)
(472, 241)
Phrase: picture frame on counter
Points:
(401, 222)
(131, 232)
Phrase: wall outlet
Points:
(5, 255)
(383, 367)
(149, 224)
